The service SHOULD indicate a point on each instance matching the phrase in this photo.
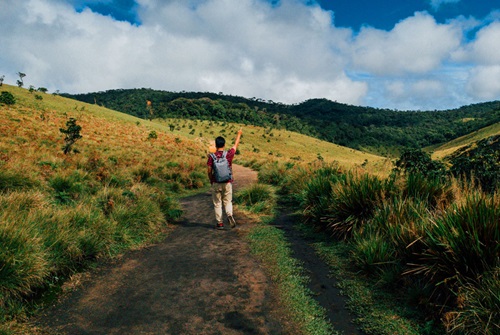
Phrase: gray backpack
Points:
(222, 170)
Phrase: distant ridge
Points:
(381, 131)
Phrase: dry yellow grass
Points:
(278, 145)
(443, 150)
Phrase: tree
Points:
(418, 161)
(20, 82)
(1, 80)
(72, 135)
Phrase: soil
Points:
(198, 280)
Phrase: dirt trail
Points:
(197, 281)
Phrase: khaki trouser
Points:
(222, 194)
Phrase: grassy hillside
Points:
(60, 213)
(443, 150)
(266, 144)
(115, 190)
(382, 131)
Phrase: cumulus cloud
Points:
(415, 45)
(285, 51)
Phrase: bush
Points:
(481, 163)
(417, 161)
(7, 98)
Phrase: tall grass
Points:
(354, 202)
(60, 213)
(464, 243)
(436, 240)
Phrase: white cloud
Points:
(245, 47)
(484, 82)
(415, 45)
(288, 53)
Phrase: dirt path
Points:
(197, 281)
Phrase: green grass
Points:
(443, 150)
(60, 214)
(269, 245)
(377, 310)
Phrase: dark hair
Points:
(220, 142)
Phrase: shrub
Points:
(72, 134)
(481, 163)
(7, 98)
(417, 161)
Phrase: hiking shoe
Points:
(232, 222)
(219, 226)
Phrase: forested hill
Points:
(382, 131)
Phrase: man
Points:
(222, 192)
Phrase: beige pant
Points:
(222, 194)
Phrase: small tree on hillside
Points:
(72, 132)
(418, 161)
(1, 80)
(20, 82)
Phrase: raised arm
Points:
(237, 141)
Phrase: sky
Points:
(396, 54)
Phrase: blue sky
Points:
(398, 54)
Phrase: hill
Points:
(443, 150)
(382, 131)
(115, 190)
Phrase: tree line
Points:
(382, 131)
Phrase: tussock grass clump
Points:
(464, 243)
(435, 192)
(317, 193)
(354, 202)
(257, 198)
(435, 239)
(10, 181)
(479, 307)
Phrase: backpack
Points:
(222, 170)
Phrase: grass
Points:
(268, 243)
(59, 214)
(433, 239)
(275, 145)
(443, 150)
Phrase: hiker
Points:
(220, 175)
